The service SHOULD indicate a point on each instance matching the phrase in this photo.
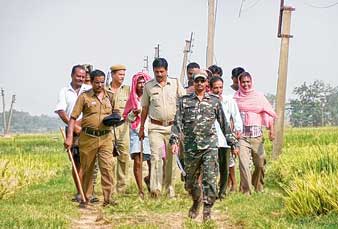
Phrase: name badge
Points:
(93, 103)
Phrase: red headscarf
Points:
(134, 101)
(258, 111)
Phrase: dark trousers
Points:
(223, 161)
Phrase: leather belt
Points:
(93, 132)
(162, 123)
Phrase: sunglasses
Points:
(199, 81)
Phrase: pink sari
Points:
(258, 111)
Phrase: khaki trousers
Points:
(251, 147)
(159, 135)
(90, 148)
(120, 171)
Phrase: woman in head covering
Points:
(132, 113)
(256, 112)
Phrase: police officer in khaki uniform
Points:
(95, 138)
(121, 94)
(159, 102)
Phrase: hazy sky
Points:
(42, 39)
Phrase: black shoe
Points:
(110, 203)
(194, 210)
(221, 195)
(94, 199)
(207, 212)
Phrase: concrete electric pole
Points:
(284, 34)
(211, 32)
(146, 64)
(10, 116)
(3, 109)
(186, 51)
(157, 51)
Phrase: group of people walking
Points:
(198, 126)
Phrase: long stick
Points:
(141, 164)
(74, 168)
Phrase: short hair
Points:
(214, 79)
(160, 63)
(193, 65)
(237, 71)
(216, 70)
(75, 67)
(243, 74)
(96, 73)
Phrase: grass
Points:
(37, 184)
(45, 202)
(45, 205)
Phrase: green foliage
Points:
(307, 171)
(298, 161)
(314, 106)
(312, 194)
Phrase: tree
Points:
(315, 105)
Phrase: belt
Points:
(162, 123)
(93, 132)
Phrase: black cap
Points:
(113, 120)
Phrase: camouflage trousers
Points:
(204, 164)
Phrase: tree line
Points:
(315, 104)
(24, 122)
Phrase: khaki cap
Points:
(118, 67)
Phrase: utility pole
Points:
(146, 64)
(10, 116)
(157, 51)
(186, 51)
(211, 32)
(284, 34)
(3, 109)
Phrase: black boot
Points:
(207, 211)
(194, 210)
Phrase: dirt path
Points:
(93, 217)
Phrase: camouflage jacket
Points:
(195, 122)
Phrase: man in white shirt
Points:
(66, 101)
(232, 115)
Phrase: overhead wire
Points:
(320, 7)
(252, 6)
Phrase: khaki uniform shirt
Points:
(93, 110)
(162, 100)
(122, 132)
(121, 97)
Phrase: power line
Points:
(320, 7)
(243, 3)
(252, 6)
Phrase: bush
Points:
(297, 162)
(313, 194)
